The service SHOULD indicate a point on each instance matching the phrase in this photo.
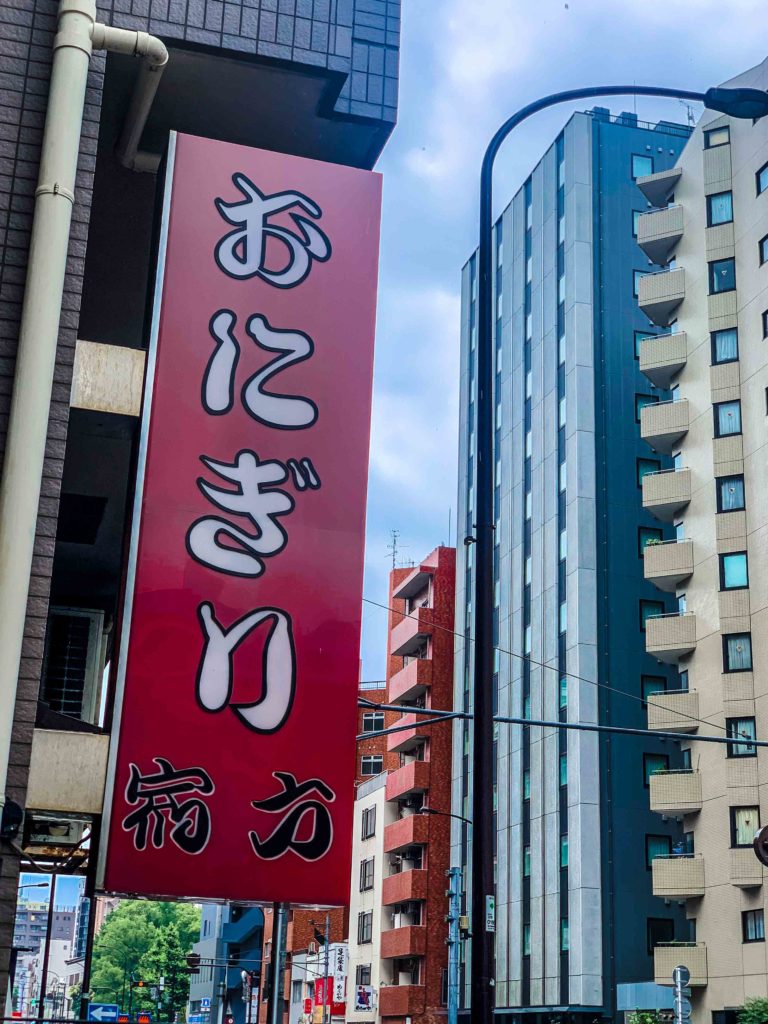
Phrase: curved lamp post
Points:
(742, 103)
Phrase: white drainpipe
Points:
(78, 34)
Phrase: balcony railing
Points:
(664, 423)
(398, 943)
(408, 779)
(404, 886)
(678, 877)
(411, 681)
(409, 634)
(666, 492)
(676, 792)
(660, 294)
(659, 231)
(693, 955)
(670, 637)
(667, 563)
(663, 357)
(401, 1000)
(410, 738)
(675, 711)
(658, 187)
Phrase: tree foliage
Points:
(644, 1017)
(147, 940)
(754, 1011)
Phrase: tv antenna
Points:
(689, 112)
(394, 546)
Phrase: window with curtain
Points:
(741, 728)
(719, 209)
(753, 926)
(734, 573)
(657, 846)
(730, 493)
(717, 137)
(738, 652)
(564, 935)
(727, 418)
(725, 346)
(745, 821)
(526, 940)
(722, 276)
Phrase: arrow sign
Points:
(103, 1012)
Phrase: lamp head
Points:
(746, 103)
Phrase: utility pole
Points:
(326, 1001)
(279, 914)
(46, 949)
(454, 938)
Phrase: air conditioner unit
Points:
(312, 947)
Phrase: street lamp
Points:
(34, 885)
(741, 103)
(443, 814)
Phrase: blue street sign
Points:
(103, 1012)
(205, 1004)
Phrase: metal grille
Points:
(67, 663)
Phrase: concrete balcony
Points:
(678, 878)
(691, 955)
(667, 564)
(658, 187)
(746, 870)
(675, 793)
(409, 635)
(659, 231)
(660, 294)
(399, 943)
(410, 831)
(411, 778)
(662, 358)
(411, 681)
(664, 423)
(670, 637)
(665, 493)
(404, 886)
(409, 738)
(401, 1000)
(677, 711)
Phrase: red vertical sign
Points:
(242, 617)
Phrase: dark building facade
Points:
(315, 78)
(576, 917)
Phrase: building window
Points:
(752, 926)
(527, 784)
(725, 346)
(719, 209)
(727, 418)
(649, 610)
(650, 685)
(659, 930)
(297, 991)
(641, 165)
(373, 721)
(640, 403)
(717, 137)
(648, 535)
(657, 846)
(646, 466)
(636, 214)
(563, 692)
(564, 851)
(734, 574)
(526, 940)
(730, 493)
(763, 249)
(564, 937)
(653, 763)
(765, 323)
(364, 926)
(363, 974)
(526, 862)
(368, 823)
(741, 728)
(563, 769)
(640, 337)
(371, 764)
(637, 275)
(761, 179)
(563, 617)
(745, 821)
(366, 874)
(722, 276)
(737, 652)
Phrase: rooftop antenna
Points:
(689, 112)
(394, 547)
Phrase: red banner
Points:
(233, 759)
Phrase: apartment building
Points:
(398, 955)
(708, 307)
(315, 78)
(576, 920)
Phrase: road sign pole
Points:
(681, 976)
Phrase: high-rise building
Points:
(708, 229)
(398, 952)
(576, 921)
(312, 78)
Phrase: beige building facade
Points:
(706, 360)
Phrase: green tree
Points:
(644, 1017)
(166, 959)
(754, 1011)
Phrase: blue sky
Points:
(67, 890)
(465, 66)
